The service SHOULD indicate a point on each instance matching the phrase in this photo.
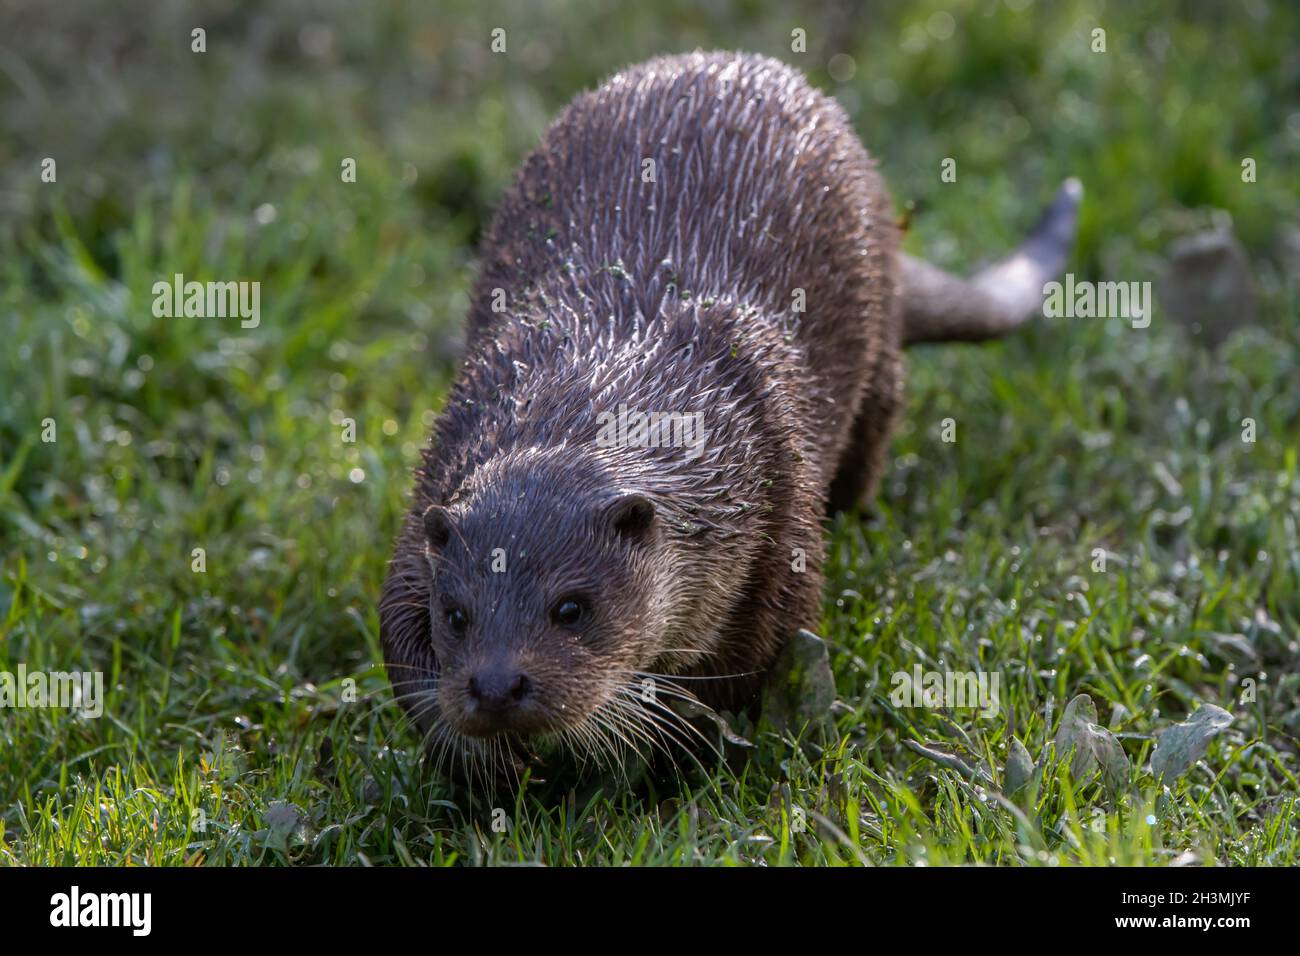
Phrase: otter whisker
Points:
(649, 720)
(659, 739)
(447, 741)
(425, 701)
(606, 743)
(651, 723)
(677, 677)
(665, 726)
(603, 715)
(666, 686)
(598, 745)
(606, 717)
(666, 723)
(437, 725)
(406, 715)
(634, 720)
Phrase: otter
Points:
(701, 239)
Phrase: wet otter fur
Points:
(703, 234)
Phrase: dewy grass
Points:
(246, 717)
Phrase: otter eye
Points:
(569, 612)
(457, 620)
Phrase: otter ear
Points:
(631, 516)
(437, 527)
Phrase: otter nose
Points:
(499, 689)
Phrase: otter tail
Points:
(939, 307)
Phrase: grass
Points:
(231, 732)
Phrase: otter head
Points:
(540, 577)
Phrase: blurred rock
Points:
(1288, 249)
(801, 687)
(1207, 286)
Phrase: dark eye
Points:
(569, 612)
(457, 620)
